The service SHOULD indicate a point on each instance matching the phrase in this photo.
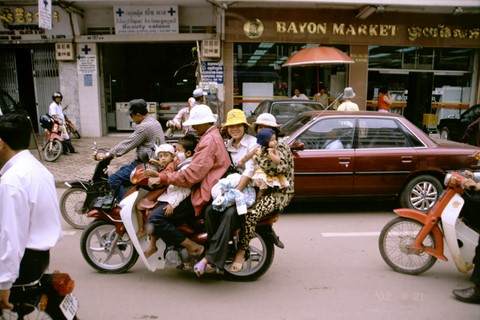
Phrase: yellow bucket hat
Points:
(235, 116)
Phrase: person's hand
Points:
(469, 174)
(153, 182)
(150, 173)
(155, 162)
(471, 185)
(272, 152)
(168, 210)
(4, 295)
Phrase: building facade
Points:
(101, 54)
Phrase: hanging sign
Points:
(142, 19)
(45, 14)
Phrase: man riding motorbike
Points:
(472, 294)
(143, 138)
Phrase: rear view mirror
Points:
(297, 145)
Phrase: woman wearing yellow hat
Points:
(220, 225)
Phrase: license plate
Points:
(69, 306)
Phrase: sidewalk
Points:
(81, 165)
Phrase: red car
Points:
(369, 154)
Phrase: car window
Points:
(294, 124)
(380, 133)
(334, 133)
(261, 108)
(471, 115)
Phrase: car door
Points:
(321, 171)
(384, 157)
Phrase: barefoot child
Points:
(174, 195)
(165, 154)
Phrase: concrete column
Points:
(358, 74)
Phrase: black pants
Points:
(165, 227)
(34, 263)
(67, 146)
(220, 227)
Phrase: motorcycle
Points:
(78, 199)
(71, 129)
(109, 243)
(48, 297)
(412, 242)
(52, 146)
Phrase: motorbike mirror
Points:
(144, 157)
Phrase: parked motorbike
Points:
(79, 198)
(52, 146)
(412, 242)
(48, 297)
(71, 129)
(109, 244)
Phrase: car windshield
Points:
(295, 123)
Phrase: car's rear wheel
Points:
(444, 133)
(421, 193)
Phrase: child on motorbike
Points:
(267, 141)
(165, 154)
(174, 195)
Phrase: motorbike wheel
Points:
(102, 253)
(53, 150)
(259, 261)
(33, 313)
(396, 242)
(72, 207)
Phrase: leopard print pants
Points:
(265, 206)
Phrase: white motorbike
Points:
(412, 242)
(109, 243)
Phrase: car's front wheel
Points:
(444, 133)
(421, 193)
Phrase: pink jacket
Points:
(209, 164)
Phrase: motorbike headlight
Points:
(133, 179)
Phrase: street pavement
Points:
(81, 165)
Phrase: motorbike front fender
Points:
(129, 218)
(423, 219)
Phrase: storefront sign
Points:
(141, 19)
(22, 24)
(375, 30)
(212, 72)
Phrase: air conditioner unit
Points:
(211, 48)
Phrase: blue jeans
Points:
(121, 179)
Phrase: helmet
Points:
(56, 95)
(201, 114)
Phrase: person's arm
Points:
(179, 118)
(387, 99)
(131, 142)
(13, 235)
(248, 156)
(273, 154)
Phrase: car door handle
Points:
(407, 159)
(344, 161)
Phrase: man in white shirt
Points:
(55, 110)
(297, 94)
(29, 211)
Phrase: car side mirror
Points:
(297, 145)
